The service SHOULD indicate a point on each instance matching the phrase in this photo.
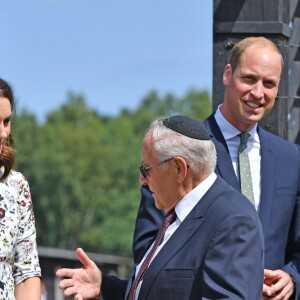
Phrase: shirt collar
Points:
(229, 131)
(188, 202)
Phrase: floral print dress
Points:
(18, 251)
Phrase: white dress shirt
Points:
(230, 134)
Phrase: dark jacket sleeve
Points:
(147, 224)
(293, 248)
(113, 288)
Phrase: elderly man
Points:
(210, 245)
(251, 80)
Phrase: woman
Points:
(19, 264)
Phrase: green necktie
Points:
(244, 168)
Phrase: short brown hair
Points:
(239, 48)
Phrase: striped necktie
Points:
(168, 220)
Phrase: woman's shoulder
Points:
(15, 179)
(16, 175)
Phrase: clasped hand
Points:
(278, 285)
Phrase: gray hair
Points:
(200, 155)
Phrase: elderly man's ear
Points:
(181, 168)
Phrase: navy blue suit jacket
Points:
(216, 253)
(279, 210)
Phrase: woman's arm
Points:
(29, 289)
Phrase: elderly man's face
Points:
(160, 179)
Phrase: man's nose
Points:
(258, 90)
(142, 179)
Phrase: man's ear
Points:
(181, 167)
(227, 74)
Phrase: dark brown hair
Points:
(7, 156)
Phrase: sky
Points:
(111, 52)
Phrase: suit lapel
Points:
(224, 164)
(268, 169)
(181, 236)
(268, 160)
(173, 245)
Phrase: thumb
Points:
(84, 259)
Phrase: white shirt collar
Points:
(229, 131)
(188, 202)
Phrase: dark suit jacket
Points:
(216, 253)
(279, 210)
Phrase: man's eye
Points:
(269, 84)
(7, 121)
(248, 79)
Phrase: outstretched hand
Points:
(83, 283)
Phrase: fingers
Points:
(69, 288)
(65, 283)
(84, 259)
(78, 297)
(70, 291)
(267, 291)
(270, 273)
(270, 277)
(65, 272)
(78, 282)
(277, 285)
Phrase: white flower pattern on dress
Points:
(18, 250)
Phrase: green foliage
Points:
(83, 169)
